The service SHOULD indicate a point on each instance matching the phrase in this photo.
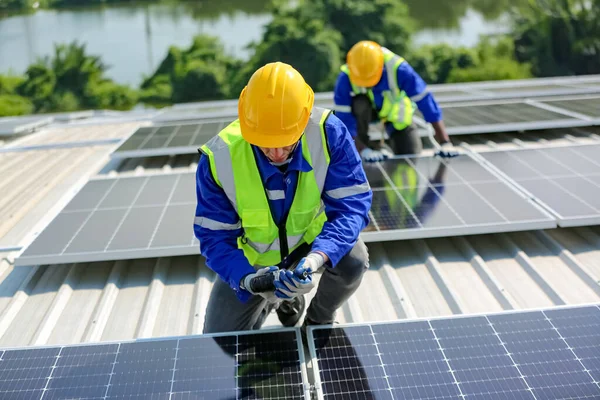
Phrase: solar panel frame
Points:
(15, 125)
(316, 370)
(374, 234)
(115, 347)
(522, 183)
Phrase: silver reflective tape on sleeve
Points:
(348, 191)
(216, 225)
(276, 194)
(346, 109)
(420, 96)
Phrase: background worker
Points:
(378, 85)
(282, 185)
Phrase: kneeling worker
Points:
(281, 187)
(378, 85)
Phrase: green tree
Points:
(294, 38)
(12, 104)
(558, 37)
(201, 72)
(72, 80)
(385, 21)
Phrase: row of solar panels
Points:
(444, 93)
(459, 118)
(414, 197)
(542, 354)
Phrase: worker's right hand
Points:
(288, 285)
(269, 296)
(370, 155)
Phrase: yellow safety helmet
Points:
(275, 106)
(365, 63)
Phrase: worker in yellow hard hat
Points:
(377, 85)
(281, 192)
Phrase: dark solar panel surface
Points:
(175, 138)
(249, 366)
(552, 354)
(423, 196)
(587, 106)
(566, 179)
(120, 218)
(496, 114)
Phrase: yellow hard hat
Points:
(365, 62)
(275, 106)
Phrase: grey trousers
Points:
(226, 313)
(405, 141)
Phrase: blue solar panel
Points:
(253, 365)
(548, 354)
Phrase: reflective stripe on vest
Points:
(397, 107)
(243, 186)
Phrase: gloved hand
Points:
(290, 284)
(370, 155)
(245, 284)
(447, 150)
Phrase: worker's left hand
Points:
(447, 150)
(289, 285)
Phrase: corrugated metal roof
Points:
(126, 299)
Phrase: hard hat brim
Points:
(271, 141)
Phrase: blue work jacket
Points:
(347, 216)
(408, 81)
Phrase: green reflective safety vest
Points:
(264, 243)
(397, 107)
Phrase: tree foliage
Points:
(72, 80)
(558, 37)
(550, 37)
(201, 72)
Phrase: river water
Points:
(133, 38)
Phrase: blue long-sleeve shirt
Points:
(347, 216)
(408, 81)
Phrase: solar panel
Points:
(224, 366)
(14, 125)
(506, 116)
(423, 196)
(587, 105)
(129, 217)
(168, 139)
(566, 180)
(545, 354)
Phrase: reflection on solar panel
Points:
(505, 116)
(547, 354)
(15, 125)
(227, 366)
(416, 197)
(132, 217)
(168, 139)
(565, 179)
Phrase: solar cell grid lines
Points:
(131, 217)
(505, 116)
(261, 365)
(566, 180)
(420, 196)
(544, 354)
(168, 139)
